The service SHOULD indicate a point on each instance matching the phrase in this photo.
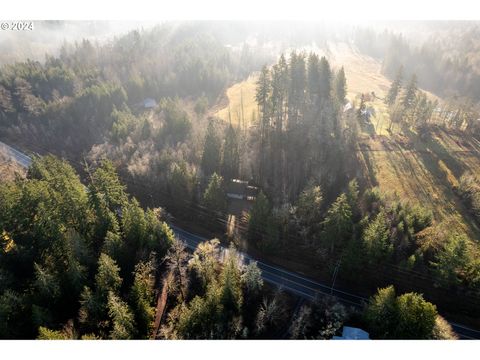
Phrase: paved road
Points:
(15, 155)
(287, 280)
(290, 281)
(301, 285)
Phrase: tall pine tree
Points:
(231, 154)
(395, 88)
(211, 151)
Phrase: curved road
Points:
(284, 279)
(301, 285)
(15, 155)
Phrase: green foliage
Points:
(337, 226)
(395, 88)
(94, 309)
(373, 198)
(201, 105)
(417, 317)
(181, 184)
(252, 278)
(214, 197)
(66, 200)
(113, 246)
(142, 298)
(309, 210)
(230, 283)
(134, 224)
(123, 123)
(453, 261)
(108, 277)
(259, 216)
(123, 324)
(469, 189)
(177, 123)
(269, 315)
(47, 334)
(67, 333)
(443, 330)
(204, 262)
(215, 314)
(106, 184)
(263, 93)
(231, 154)
(211, 155)
(106, 196)
(143, 233)
(408, 99)
(199, 319)
(12, 311)
(320, 320)
(352, 193)
(376, 239)
(325, 83)
(407, 316)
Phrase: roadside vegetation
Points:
(375, 181)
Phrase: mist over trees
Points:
(446, 62)
(87, 251)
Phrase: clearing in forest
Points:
(425, 171)
(241, 108)
(421, 170)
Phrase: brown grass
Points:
(241, 107)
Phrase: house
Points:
(351, 333)
(239, 189)
(149, 103)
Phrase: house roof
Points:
(149, 103)
(236, 186)
(351, 333)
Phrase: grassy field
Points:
(421, 170)
(425, 171)
(241, 107)
(363, 72)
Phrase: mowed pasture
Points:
(425, 171)
(397, 161)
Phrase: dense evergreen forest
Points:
(87, 262)
(87, 251)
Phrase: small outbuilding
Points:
(351, 333)
(149, 103)
(239, 189)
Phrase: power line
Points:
(221, 219)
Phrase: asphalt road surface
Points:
(301, 285)
(284, 279)
(15, 155)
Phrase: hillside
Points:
(422, 171)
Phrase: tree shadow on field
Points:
(368, 171)
(431, 152)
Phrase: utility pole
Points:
(335, 273)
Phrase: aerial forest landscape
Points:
(180, 180)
